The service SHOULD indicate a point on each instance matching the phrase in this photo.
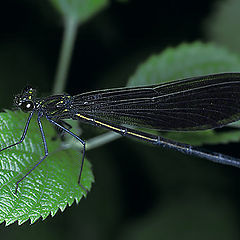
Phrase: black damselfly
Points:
(197, 103)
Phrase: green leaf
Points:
(51, 186)
(186, 60)
(222, 26)
(204, 137)
(189, 60)
(185, 213)
(80, 10)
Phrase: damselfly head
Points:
(25, 100)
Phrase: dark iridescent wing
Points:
(191, 104)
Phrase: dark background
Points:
(141, 192)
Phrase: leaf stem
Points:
(94, 142)
(67, 46)
(102, 140)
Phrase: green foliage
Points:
(185, 61)
(79, 10)
(142, 192)
(178, 213)
(52, 185)
(222, 26)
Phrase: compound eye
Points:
(27, 106)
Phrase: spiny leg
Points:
(45, 150)
(82, 162)
(83, 152)
(23, 134)
(59, 131)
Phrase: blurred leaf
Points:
(189, 60)
(52, 185)
(193, 216)
(186, 60)
(222, 26)
(205, 137)
(80, 10)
